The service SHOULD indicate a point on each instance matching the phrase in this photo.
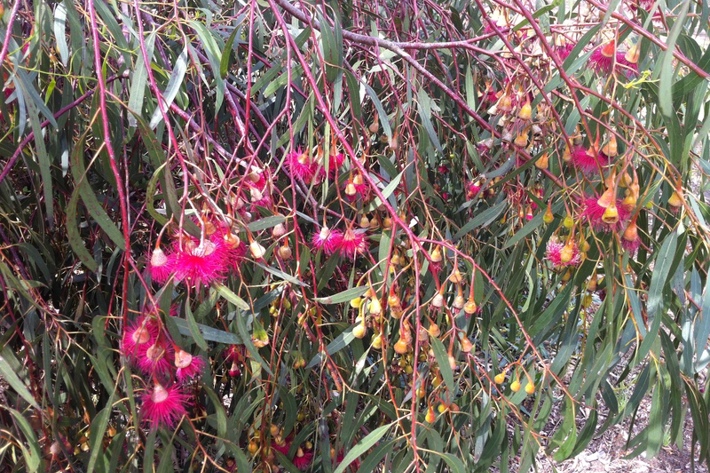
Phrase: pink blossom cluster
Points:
(169, 368)
(301, 460)
(588, 160)
(605, 60)
(348, 244)
(197, 261)
(299, 164)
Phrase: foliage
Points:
(339, 236)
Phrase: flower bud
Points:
(548, 217)
(499, 378)
(543, 162)
(470, 307)
(530, 388)
(525, 112)
(438, 300)
(401, 347)
(278, 231)
(257, 251)
(611, 215)
(359, 331)
(377, 342)
(610, 148)
(631, 232)
(515, 386)
(430, 415)
(521, 139)
(675, 200)
(375, 307)
(285, 251)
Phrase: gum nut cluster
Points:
(169, 368)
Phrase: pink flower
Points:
(335, 162)
(352, 243)
(327, 240)
(156, 359)
(602, 59)
(139, 336)
(629, 69)
(283, 446)
(299, 164)
(161, 266)
(302, 460)
(201, 262)
(188, 366)
(563, 51)
(562, 255)
(163, 406)
(587, 161)
(472, 189)
(594, 213)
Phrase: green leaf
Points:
(171, 90)
(96, 435)
(209, 333)
(345, 296)
(227, 53)
(264, 223)
(659, 279)
(455, 464)
(485, 218)
(227, 293)
(15, 382)
(442, 359)
(88, 196)
(340, 342)
(371, 462)
(386, 192)
(363, 446)
(425, 106)
(665, 66)
(33, 456)
(194, 329)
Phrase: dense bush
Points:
(350, 235)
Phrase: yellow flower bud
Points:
(515, 386)
(529, 388)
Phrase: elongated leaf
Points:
(96, 435)
(442, 359)
(209, 333)
(16, 383)
(92, 204)
(171, 90)
(363, 446)
(33, 456)
(340, 342)
(227, 293)
(345, 296)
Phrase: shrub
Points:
(350, 235)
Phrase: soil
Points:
(606, 453)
